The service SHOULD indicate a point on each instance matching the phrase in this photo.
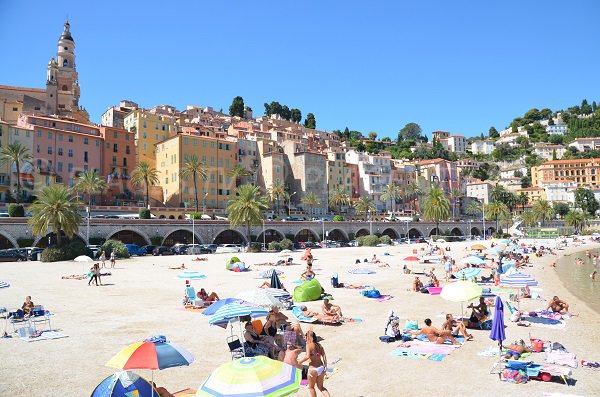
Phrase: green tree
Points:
(436, 207)
(525, 182)
(144, 175)
(237, 107)
(194, 168)
(498, 193)
(238, 172)
(522, 200)
(561, 209)
(585, 199)
(410, 131)
(55, 208)
(577, 220)
(276, 193)
(310, 121)
(474, 207)
(493, 133)
(247, 208)
(90, 183)
(311, 200)
(364, 205)
(16, 154)
(495, 211)
(412, 191)
(543, 210)
(529, 218)
(296, 115)
(372, 135)
(338, 198)
(392, 193)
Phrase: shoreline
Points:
(579, 296)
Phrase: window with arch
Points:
(65, 63)
(64, 87)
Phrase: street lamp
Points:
(323, 224)
(483, 216)
(87, 209)
(193, 230)
(289, 202)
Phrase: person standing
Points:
(95, 271)
(317, 369)
(103, 258)
(113, 260)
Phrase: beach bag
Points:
(411, 325)
(387, 339)
(373, 293)
(334, 281)
(515, 376)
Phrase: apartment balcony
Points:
(4, 183)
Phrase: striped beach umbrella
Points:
(277, 293)
(4, 284)
(518, 280)
(233, 311)
(467, 273)
(259, 297)
(361, 270)
(252, 377)
(153, 353)
(269, 273)
(189, 275)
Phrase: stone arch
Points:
(361, 232)
(127, 236)
(336, 235)
(182, 236)
(42, 242)
(391, 233)
(305, 235)
(475, 231)
(7, 242)
(456, 232)
(229, 236)
(180, 217)
(171, 216)
(490, 231)
(270, 235)
(434, 232)
(414, 233)
(161, 217)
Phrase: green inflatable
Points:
(309, 291)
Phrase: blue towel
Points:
(297, 312)
(542, 320)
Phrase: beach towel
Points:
(384, 298)
(427, 348)
(417, 355)
(459, 339)
(297, 312)
(544, 322)
(44, 335)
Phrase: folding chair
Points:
(235, 347)
(40, 315)
(18, 317)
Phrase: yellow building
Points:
(218, 155)
(339, 172)
(10, 110)
(533, 193)
(149, 129)
(271, 164)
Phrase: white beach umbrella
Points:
(259, 297)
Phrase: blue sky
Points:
(460, 66)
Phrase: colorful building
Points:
(585, 172)
(118, 163)
(149, 129)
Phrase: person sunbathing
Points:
(487, 279)
(456, 327)
(435, 335)
(182, 267)
(480, 311)
(318, 316)
(308, 274)
(330, 309)
(514, 351)
(558, 306)
(374, 259)
(162, 392)
(198, 259)
(417, 285)
(202, 294)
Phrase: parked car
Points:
(228, 248)
(135, 249)
(162, 250)
(420, 240)
(309, 244)
(149, 249)
(33, 253)
(179, 249)
(211, 248)
(11, 256)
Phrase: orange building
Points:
(118, 163)
(585, 172)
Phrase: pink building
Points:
(437, 172)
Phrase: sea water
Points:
(577, 280)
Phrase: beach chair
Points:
(38, 316)
(235, 347)
(18, 318)
(192, 299)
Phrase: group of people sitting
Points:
(451, 329)
(418, 286)
(329, 312)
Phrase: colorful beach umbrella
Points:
(472, 260)
(153, 353)
(277, 293)
(478, 247)
(461, 291)
(252, 377)
(234, 311)
(124, 384)
(467, 273)
(189, 275)
(518, 280)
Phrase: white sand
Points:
(142, 296)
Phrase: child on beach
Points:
(113, 259)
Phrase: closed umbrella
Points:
(124, 384)
(189, 275)
(472, 260)
(275, 281)
(467, 273)
(252, 377)
(498, 333)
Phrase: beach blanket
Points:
(384, 298)
(192, 309)
(417, 346)
(297, 312)
(418, 355)
(543, 322)
(45, 335)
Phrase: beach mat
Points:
(427, 348)
(417, 355)
(46, 335)
(384, 298)
(191, 309)
(544, 322)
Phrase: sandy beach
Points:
(143, 298)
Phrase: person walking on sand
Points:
(113, 260)
(95, 272)
(103, 258)
(315, 355)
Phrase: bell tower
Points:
(67, 84)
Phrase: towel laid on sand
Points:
(544, 322)
(417, 355)
(45, 335)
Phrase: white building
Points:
(480, 190)
(485, 147)
(562, 191)
(374, 173)
(456, 144)
(510, 172)
(586, 144)
(557, 129)
(547, 151)
(511, 184)
(511, 139)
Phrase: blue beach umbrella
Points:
(124, 384)
(189, 275)
(498, 333)
(467, 273)
(518, 280)
(209, 311)
(233, 311)
(473, 260)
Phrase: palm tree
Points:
(247, 208)
(17, 154)
(145, 175)
(498, 193)
(455, 193)
(364, 205)
(56, 207)
(495, 211)
(412, 191)
(238, 171)
(391, 192)
(543, 210)
(522, 200)
(194, 168)
(511, 200)
(436, 207)
(529, 218)
(338, 198)
(311, 200)
(507, 219)
(276, 193)
(474, 208)
(90, 183)
(577, 220)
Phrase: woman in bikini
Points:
(317, 368)
(206, 297)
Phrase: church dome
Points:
(66, 34)
(52, 62)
